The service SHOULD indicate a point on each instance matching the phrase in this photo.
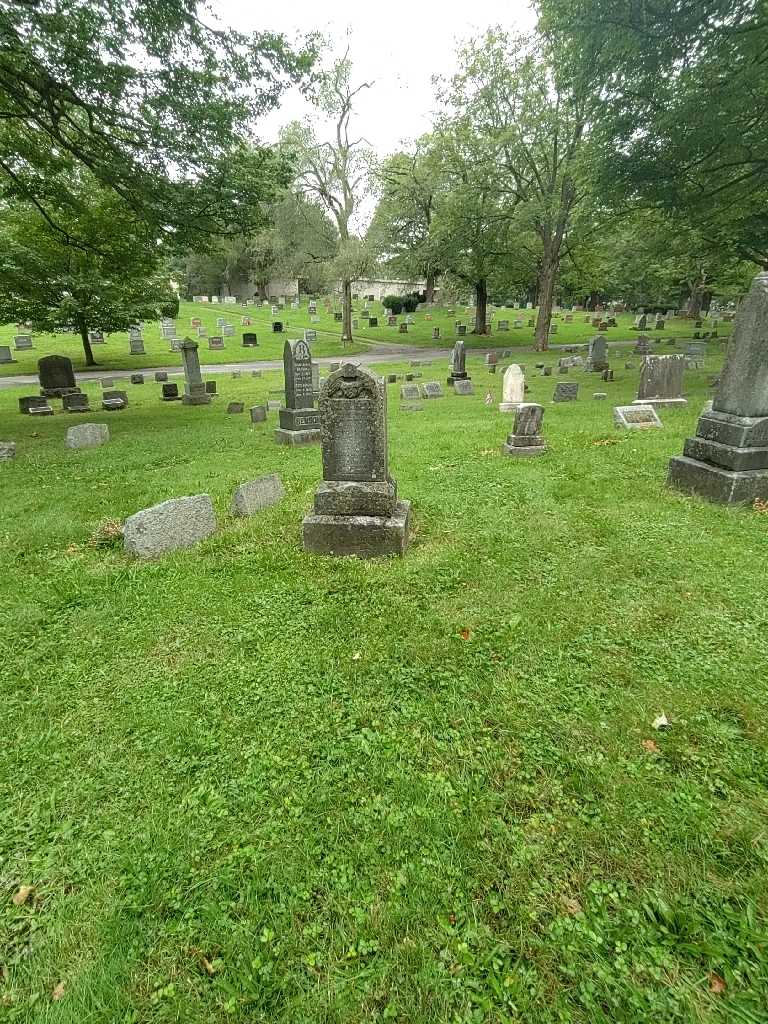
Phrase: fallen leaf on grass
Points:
(22, 894)
(650, 746)
(58, 992)
(716, 983)
(464, 634)
(607, 440)
(207, 966)
(571, 905)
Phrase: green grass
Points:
(253, 785)
(114, 354)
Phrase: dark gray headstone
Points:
(565, 392)
(56, 375)
(258, 413)
(170, 392)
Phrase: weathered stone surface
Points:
(195, 392)
(76, 402)
(661, 381)
(169, 526)
(715, 483)
(458, 363)
(743, 387)
(525, 440)
(7, 450)
(87, 435)
(636, 417)
(5, 354)
(512, 388)
(360, 536)
(258, 413)
(170, 392)
(137, 378)
(299, 420)
(431, 389)
(463, 387)
(29, 402)
(113, 401)
(565, 392)
(597, 355)
(160, 376)
(258, 494)
(57, 377)
(236, 407)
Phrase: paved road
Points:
(377, 354)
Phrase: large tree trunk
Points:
(695, 300)
(429, 291)
(481, 306)
(593, 301)
(83, 328)
(346, 311)
(261, 290)
(547, 278)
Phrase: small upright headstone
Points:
(661, 381)
(137, 378)
(22, 342)
(235, 408)
(431, 389)
(57, 378)
(512, 388)
(463, 387)
(169, 526)
(525, 440)
(636, 417)
(597, 355)
(258, 413)
(356, 510)
(87, 435)
(258, 494)
(250, 340)
(114, 401)
(136, 347)
(299, 420)
(565, 392)
(75, 402)
(642, 347)
(171, 392)
(160, 376)
(458, 363)
(5, 354)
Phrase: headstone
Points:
(250, 340)
(258, 413)
(463, 387)
(546, 371)
(7, 450)
(727, 460)
(171, 392)
(299, 420)
(75, 402)
(137, 378)
(338, 316)
(403, 329)
(5, 354)
(87, 435)
(565, 392)
(597, 355)
(255, 373)
(228, 330)
(435, 334)
(194, 388)
(57, 378)
(642, 347)
(22, 342)
(106, 383)
(661, 382)
(458, 363)
(410, 392)
(34, 405)
(356, 510)
(431, 389)
(277, 327)
(373, 321)
(461, 330)
(636, 417)
(598, 395)
(210, 387)
(235, 408)
(169, 526)
(310, 336)
(114, 401)
(695, 354)
(512, 388)
(255, 495)
(160, 376)
(136, 347)
(525, 440)
(503, 325)
(215, 343)
(96, 337)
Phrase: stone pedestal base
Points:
(361, 536)
(508, 406)
(457, 376)
(727, 486)
(297, 436)
(662, 403)
(523, 451)
(196, 397)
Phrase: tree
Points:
(114, 278)
(145, 95)
(334, 173)
(534, 126)
(680, 117)
(401, 228)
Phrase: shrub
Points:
(394, 303)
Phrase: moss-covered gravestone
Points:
(356, 507)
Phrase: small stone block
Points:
(87, 435)
(255, 495)
(236, 407)
(636, 417)
(169, 526)
(258, 413)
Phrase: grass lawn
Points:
(113, 355)
(252, 785)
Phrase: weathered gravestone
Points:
(299, 420)
(171, 392)
(216, 343)
(169, 526)
(22, 342)
(661, 381)
(512, 388)
(458, 363)
(228, 330)
(727, 460)
(7, 450)
(87, 435)
(34, 405)
(114, 401)
(255, 495)
(137, 378)
(195, 392)
(258, 413)
(463, 387)
(373, 321)
(597, 355)
(5, 354)
(250, 340)
(356, 511)
(277, 327)
(410, 392)
(75, 402)
(565, 392)
(695, 354)
(136, 347)
(160, 376)
(525, 440)
(235, 408)
(636, 417)
(211, 387)
(57, 378)
(431, 389)
(642, 347)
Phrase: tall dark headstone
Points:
(458, 363)
(57, 378)
(727, 460)
(299, 420)
(356, 508)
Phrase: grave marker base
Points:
(725, 486)
(662, 403)
(294, 437)
(360, 536)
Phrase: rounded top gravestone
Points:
(56, 376)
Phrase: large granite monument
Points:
(727, 460)
(299, 420)
(356, 507)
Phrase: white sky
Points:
(398, 44)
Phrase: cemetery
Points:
(383, 597)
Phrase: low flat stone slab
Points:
(258, 494)
(7, 450)
(87, 435)
(258, 413)
(170, 526)
(359, 536)
(636, 417)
